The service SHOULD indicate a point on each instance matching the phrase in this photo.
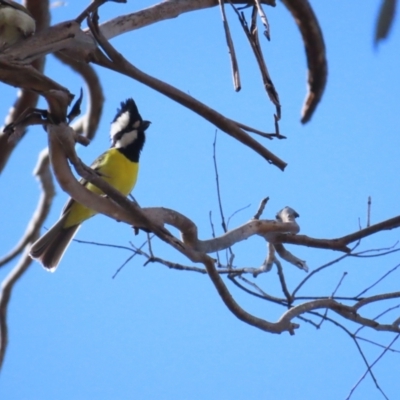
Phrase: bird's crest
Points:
(126, 119)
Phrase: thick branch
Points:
(265, 228)
(39, 10)
(88, 123)
(160, 12)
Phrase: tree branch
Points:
(43, 173)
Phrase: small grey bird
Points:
(16, 23)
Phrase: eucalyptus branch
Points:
(39, 10)
(88, 123)
(314, 44)
(231, 48)
(7, 287)
(43, 173)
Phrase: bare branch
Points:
(311, 33)
(378, 297)
(388, 224)
(39, 10)
(88, 123)
(265, 228)
(261, 208)
(379, 280)
(269, 136)
(263, 18)
(385, 20)
(43, 173)
(282, 281)
(341, 243)
(369, 368)
(344, 311)
(252, 36)
(5, 295)
(290, 258)
(263, 295)
(221, 211)
(317, 270)
(231, 48)
(167, 9)
(352, 336)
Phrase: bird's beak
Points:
(144, 125)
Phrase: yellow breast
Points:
(114, 168)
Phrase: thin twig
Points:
(370, 367)
(379, 280)
(213, 235)
(270, 136)
(332, 297)
(352, 336)
(283, 282)
(236, 212)
(231, 48)
(264, 19)
(376, 344)
(328, 264)
(378, 316)
(360, 255)
(89, 122)
(263, 296)
(369, 212)
(308, 321)
(261, 208)
(221, 211)
(149, 237)
(252, 36)
(115, 246)
(135, 251)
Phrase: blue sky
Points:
(155, 333)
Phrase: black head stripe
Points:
(128, 130)
(130, 106)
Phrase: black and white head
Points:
(127, 130)
(287, 214)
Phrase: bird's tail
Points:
(50, 248)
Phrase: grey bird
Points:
(16, 23)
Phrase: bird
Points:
(16, 23)
(118, 166)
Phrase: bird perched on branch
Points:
(16, 23)
(118, 166)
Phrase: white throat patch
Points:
(126, 139)
(120, 124)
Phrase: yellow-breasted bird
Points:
(16, 23)
(118, 166)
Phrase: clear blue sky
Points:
(155, 333)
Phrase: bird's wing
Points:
(96, 165)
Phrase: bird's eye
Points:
(117, 137)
